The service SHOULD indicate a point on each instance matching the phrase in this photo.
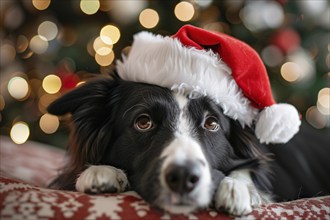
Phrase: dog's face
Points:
(173, 149)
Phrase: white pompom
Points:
(277, 123)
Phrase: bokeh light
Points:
(89, 7)
(315, 118)
(110, 34)
(323, 101)
(184, 11)
(13, 18)
(41, 4)
(261, 15)
(272, 56)
(48, 30)
(39, 44)
(22, 44)
(80, 83)
(51, 84)
(203, 3)
(101, 47)
(7, 53)
(149, 18)
(290, 71)
(2, 103)
(104, 60)
(20, 132)
(49, 123)
(127, 11)
(18, 88)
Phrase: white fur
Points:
(277, 124)
(179, 151)
(164, 61)
(237, 194)
(97, 178)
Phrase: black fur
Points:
(103, 113)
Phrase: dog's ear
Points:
(92, 106)
(93, 92)
(245, 142)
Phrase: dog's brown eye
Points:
(143, 123)
(211, 123)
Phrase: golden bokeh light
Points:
(48, 30)
(20, 132)
(110, 34)
(184, 11)
(51, 84)
(41, 4)
(39, 44)
(49, 123)
(290, 71)
(89, 7)
(149, 18)
(323, 101)
(105, 60)
(101, 47)
(18, 88)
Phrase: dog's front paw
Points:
(102, 179)
(236, 197)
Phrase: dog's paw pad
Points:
(102, 179)
(233, 196)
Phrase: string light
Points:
(48, 30)
(110, 34)
(184, 11)
(41, 4)
(51, 84)
(149, 18)
(20, 132)
(18, 88)
(89, 7)
(49, 123)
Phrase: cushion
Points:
(27, 169)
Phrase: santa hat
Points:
(199, 62)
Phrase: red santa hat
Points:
(198, 62)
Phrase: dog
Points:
(179, 153)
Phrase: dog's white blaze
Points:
(183, 148)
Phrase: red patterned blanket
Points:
(26, 169)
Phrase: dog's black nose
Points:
(182, 178)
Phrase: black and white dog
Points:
(179, 153)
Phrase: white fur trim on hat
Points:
(164, 61)
(277, 124)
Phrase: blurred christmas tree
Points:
(48, 47)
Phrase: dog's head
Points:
(174, 149)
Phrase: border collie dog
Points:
(187, 122)
(178, 153)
